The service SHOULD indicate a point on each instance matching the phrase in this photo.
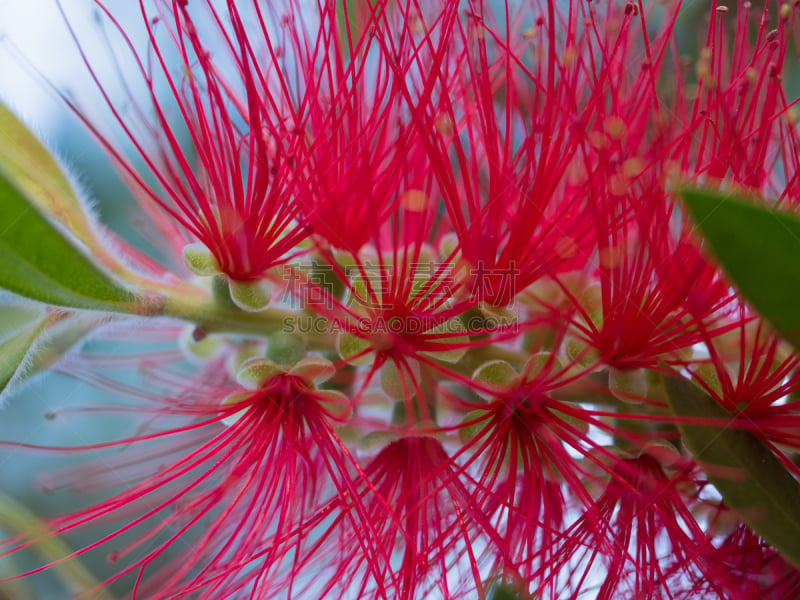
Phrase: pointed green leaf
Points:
(15, 349)
(759, 250)
(750, 478)
(16, 313)
(38, 261)
(39, 342)
(34, 171)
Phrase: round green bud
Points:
(250, 296)
(200, 260)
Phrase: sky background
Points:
(36, 31)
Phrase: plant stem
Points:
(214, 318)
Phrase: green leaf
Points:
(15, 349)
(34, 171)
(38, 261)
(38, 342)
(750, 478)
(16, 313)
(759, 249)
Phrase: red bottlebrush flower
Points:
(649, 290)
(434, 533)
(650, 286)
(747, 568)
(653, 286)
(405, 300)
(640, 535)
(754, 375)
(357, 148)
(231, 486)
(502, 136)
(529, 457)
(233, 190)
(741, 124)
(325, 101)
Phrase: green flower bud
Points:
(255, 372)
(398, 384)
(313, 369)
(350, 347)
(250, 296)
(583, 354)
(200, 260)
(286, 348)
(628, 385)
(198, 348)
(496, 376)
